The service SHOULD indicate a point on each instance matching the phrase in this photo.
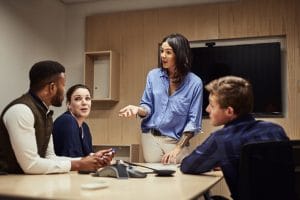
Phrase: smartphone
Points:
(112, 152)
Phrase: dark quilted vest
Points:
(43, 124)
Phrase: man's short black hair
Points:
(43, 73)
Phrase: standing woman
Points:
(171, 106)
(71, 135)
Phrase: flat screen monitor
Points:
(259, 63)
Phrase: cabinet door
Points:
(101, 79)
(102, 75)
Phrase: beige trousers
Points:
(154, 147)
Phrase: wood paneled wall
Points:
(135, 36)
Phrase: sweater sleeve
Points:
(67, 137)
(204, 158)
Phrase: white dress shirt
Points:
(19, 121)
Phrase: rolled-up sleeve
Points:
(147, 98)
(195, 112)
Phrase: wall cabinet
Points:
(102, 75)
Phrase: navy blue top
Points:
(67, 137)
(223, 147)
(175, 114)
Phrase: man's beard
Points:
(57, 100)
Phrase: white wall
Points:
(31, 31)
(35, 30)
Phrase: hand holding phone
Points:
(110, 153)
(105, 156)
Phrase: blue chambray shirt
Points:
(175, 114)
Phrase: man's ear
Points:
(230, 111)
(52, 86)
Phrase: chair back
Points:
(266, 171)
(296, 155)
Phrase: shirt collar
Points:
(239, 119)
(163, 73)
(41, 103)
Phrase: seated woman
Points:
(71, 135)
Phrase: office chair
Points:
(266, 171)
(296, 155)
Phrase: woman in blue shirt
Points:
(171, 106)
(71, 135)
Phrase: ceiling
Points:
(70, 2)
(89, 7)
(77, 1)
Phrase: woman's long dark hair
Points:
(181, 48)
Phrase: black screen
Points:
(258, 63)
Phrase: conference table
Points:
(70, 186)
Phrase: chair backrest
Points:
(296, 155)
(266, 171)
